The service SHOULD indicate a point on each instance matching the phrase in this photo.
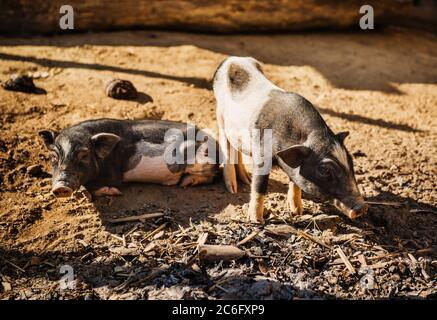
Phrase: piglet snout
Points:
(352, 208)
(60, 190)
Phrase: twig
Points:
(151, 234)
(248, 238)
(14, 265)
(385, 203)
(388, 255)
(116, 237)
(308, 237)
(252, 256)
(346, 261)
(422, 211)
(136, 218)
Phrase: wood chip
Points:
(412, 258)
(157, 230)
(362, 260)
(202, 239)
(379, 265)
(425, 275)
(6, 286)
(283, 230)
(220, 253)
(136, 218)
(262, 266)
(159, 235)
(150, 247)
(346, 261)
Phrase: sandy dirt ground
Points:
(380, 86)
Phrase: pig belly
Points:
(152, 170)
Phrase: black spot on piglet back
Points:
(238, 77)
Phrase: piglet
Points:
(273, 126)
(102, 154)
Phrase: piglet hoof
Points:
(242, 174)
(186, 182)
(295, 209)
(230, 177)
(256, 215)
(107, 191)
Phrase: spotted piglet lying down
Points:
(261, 120)
(102, 154)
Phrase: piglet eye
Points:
(82, 154)
(54, 156)
(324, 170)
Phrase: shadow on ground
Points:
(349, 60)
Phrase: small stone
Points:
(44, 74)
(20, 82)
(34, 170)
(121, 89)
(34, 261)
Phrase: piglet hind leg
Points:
(241, 170)
(294, 199)
(107, 191)
(229, 170)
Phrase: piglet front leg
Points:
(294, 199)
(257, 195)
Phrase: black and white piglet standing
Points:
(297, 138)
(102, 154)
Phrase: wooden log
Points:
(41, 16)
(211, 253)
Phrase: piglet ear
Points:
(342, 135)
(103, 143)
(294, 156)
(48, 136)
